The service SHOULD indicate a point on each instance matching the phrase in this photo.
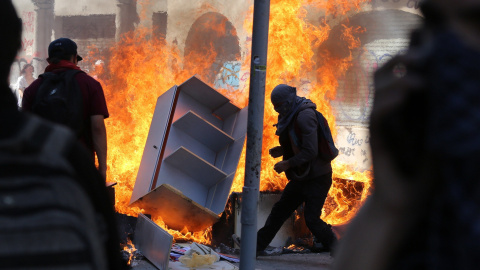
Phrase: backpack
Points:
(47, 220)
(60, 100)
(326, 146)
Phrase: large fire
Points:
(140, 68)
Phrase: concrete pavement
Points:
(308, 261)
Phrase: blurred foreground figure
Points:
(425, 136)
(54, 209)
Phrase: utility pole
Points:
(253, 160)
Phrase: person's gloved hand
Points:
(276, 151)
(281, 166)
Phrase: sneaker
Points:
(328, 246)
(271, 251)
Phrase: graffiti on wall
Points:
(354, 147)
(356, 92)
(232, 77)
(28, 20)
(229, 76)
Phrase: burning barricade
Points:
(188, 165)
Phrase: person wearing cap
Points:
(310, 177)
(63, 56)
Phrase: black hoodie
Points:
(302, 151)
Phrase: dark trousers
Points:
(313, 193)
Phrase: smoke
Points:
(85, 7)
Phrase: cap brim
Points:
(79, 58)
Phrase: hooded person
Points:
(297, 130)
(310, 177)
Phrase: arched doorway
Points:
(386, 33)
(213, 31)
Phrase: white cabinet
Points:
(191, 156)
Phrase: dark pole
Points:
(256, 100)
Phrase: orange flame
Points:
(130, 248)
(141, 68)
(292, 45)
(202, 237)
(138, 71)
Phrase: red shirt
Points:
(94, 102)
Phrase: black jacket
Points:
(302, 151)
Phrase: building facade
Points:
(100, 24)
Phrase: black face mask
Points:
(282, 108)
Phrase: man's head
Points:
(28, 68)
(11, 33)
(63, 49)
(283, 97)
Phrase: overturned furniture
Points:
(190, 157)
(154, 242)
